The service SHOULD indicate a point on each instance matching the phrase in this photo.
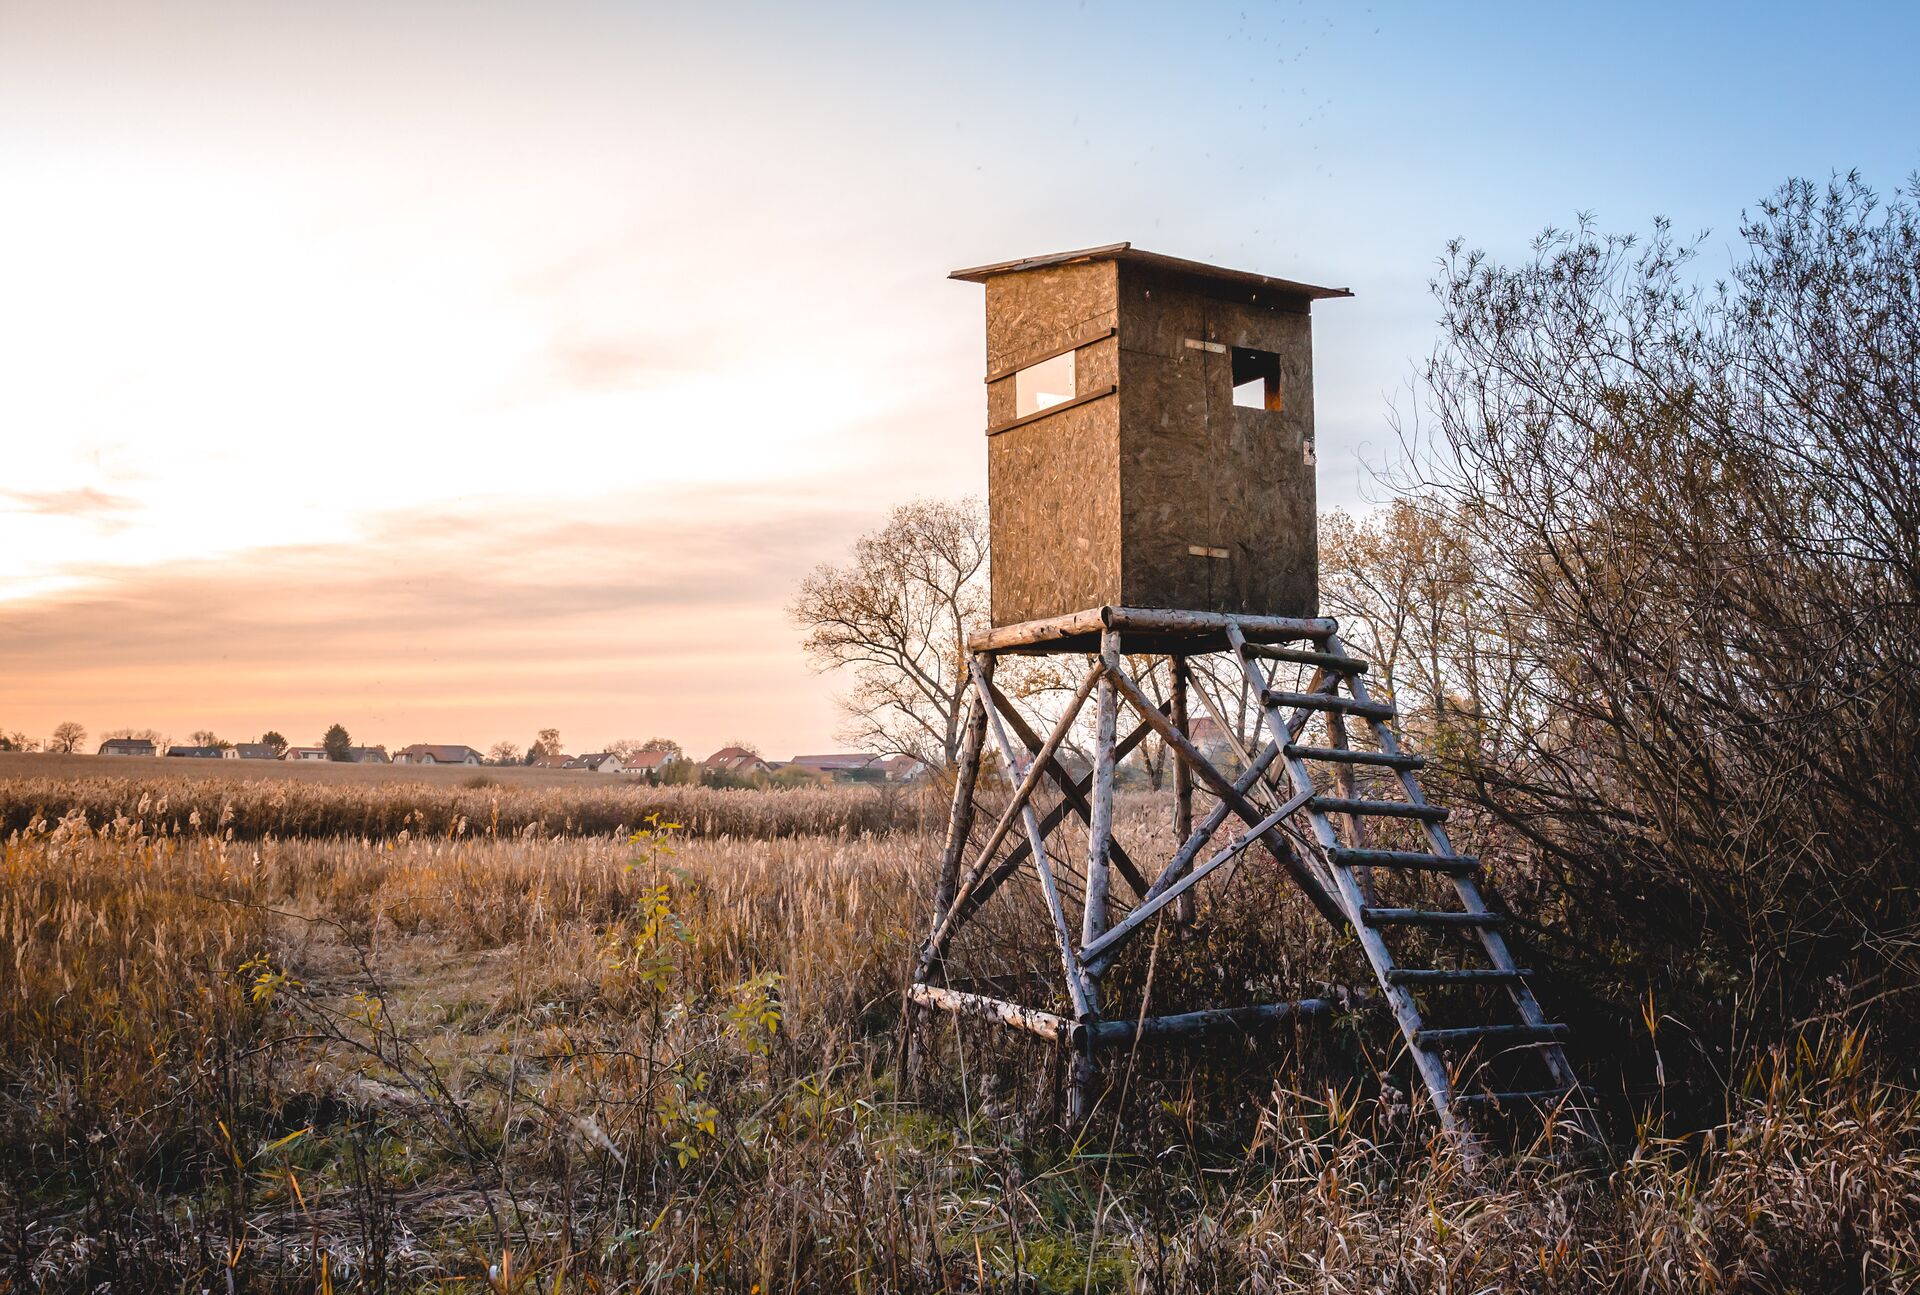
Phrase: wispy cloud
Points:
(83, 502)
(452, 625)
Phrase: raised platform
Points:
(1145, 630)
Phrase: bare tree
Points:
(546, 744)
(627, 747)
(896, 617)
(504, 753)
(1667, 563)
(67, 738)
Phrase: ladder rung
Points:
(1455, 975)
(1474, 1033)
(1346, 755)
(1328, 701)
(1419, 859)
(1426, 917)
(1300, 656)
(1536, 1096)
(1378, 808)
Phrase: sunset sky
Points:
(454, 370)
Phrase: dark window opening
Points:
(1256, 379)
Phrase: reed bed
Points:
(482, 805)
(662, 1062)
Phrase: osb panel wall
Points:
(1166, 499)
(1053, 485)
(1053, 491)
(1035, 311)
(1263, 470)
(1106, 502)
(1198, 472)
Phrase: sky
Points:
(452, 371)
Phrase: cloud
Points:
(84, 502)
(457, 625)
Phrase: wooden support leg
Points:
(966, 776)
(1183, 911)
(1094, 914)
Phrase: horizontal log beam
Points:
(1059, 1029)
(1031, 1019)
(1159, 629)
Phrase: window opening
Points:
(1043, 385)
(1256, 379)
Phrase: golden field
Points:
(543, 1060)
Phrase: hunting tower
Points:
(1150, 465)
(1150, 435)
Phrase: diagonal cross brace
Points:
(1069, 788)
(1271, 838)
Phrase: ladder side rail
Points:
(1468, 889)
(1406, 1013)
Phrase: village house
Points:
(650, 762)
(431, 753)
(254, 751)
(203, 752)
(598, 762)
(129, 746)
(554, 761)
(305, 753)
(368, 755)
(736, 761)
(903, 768)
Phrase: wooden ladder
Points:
(1348, 866)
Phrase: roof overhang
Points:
(1139, 256)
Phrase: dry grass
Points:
(376, 801)
(375, 1062)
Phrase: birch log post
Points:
(1183, 912)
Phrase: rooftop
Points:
(1156, 260)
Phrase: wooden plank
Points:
(1028, 633)
(1416, 859)
(1327, 701)
(1348, 755)
(1379, 808)
(1027, 362)
(1127, 252)
(1300, 656)
(1051, 410)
